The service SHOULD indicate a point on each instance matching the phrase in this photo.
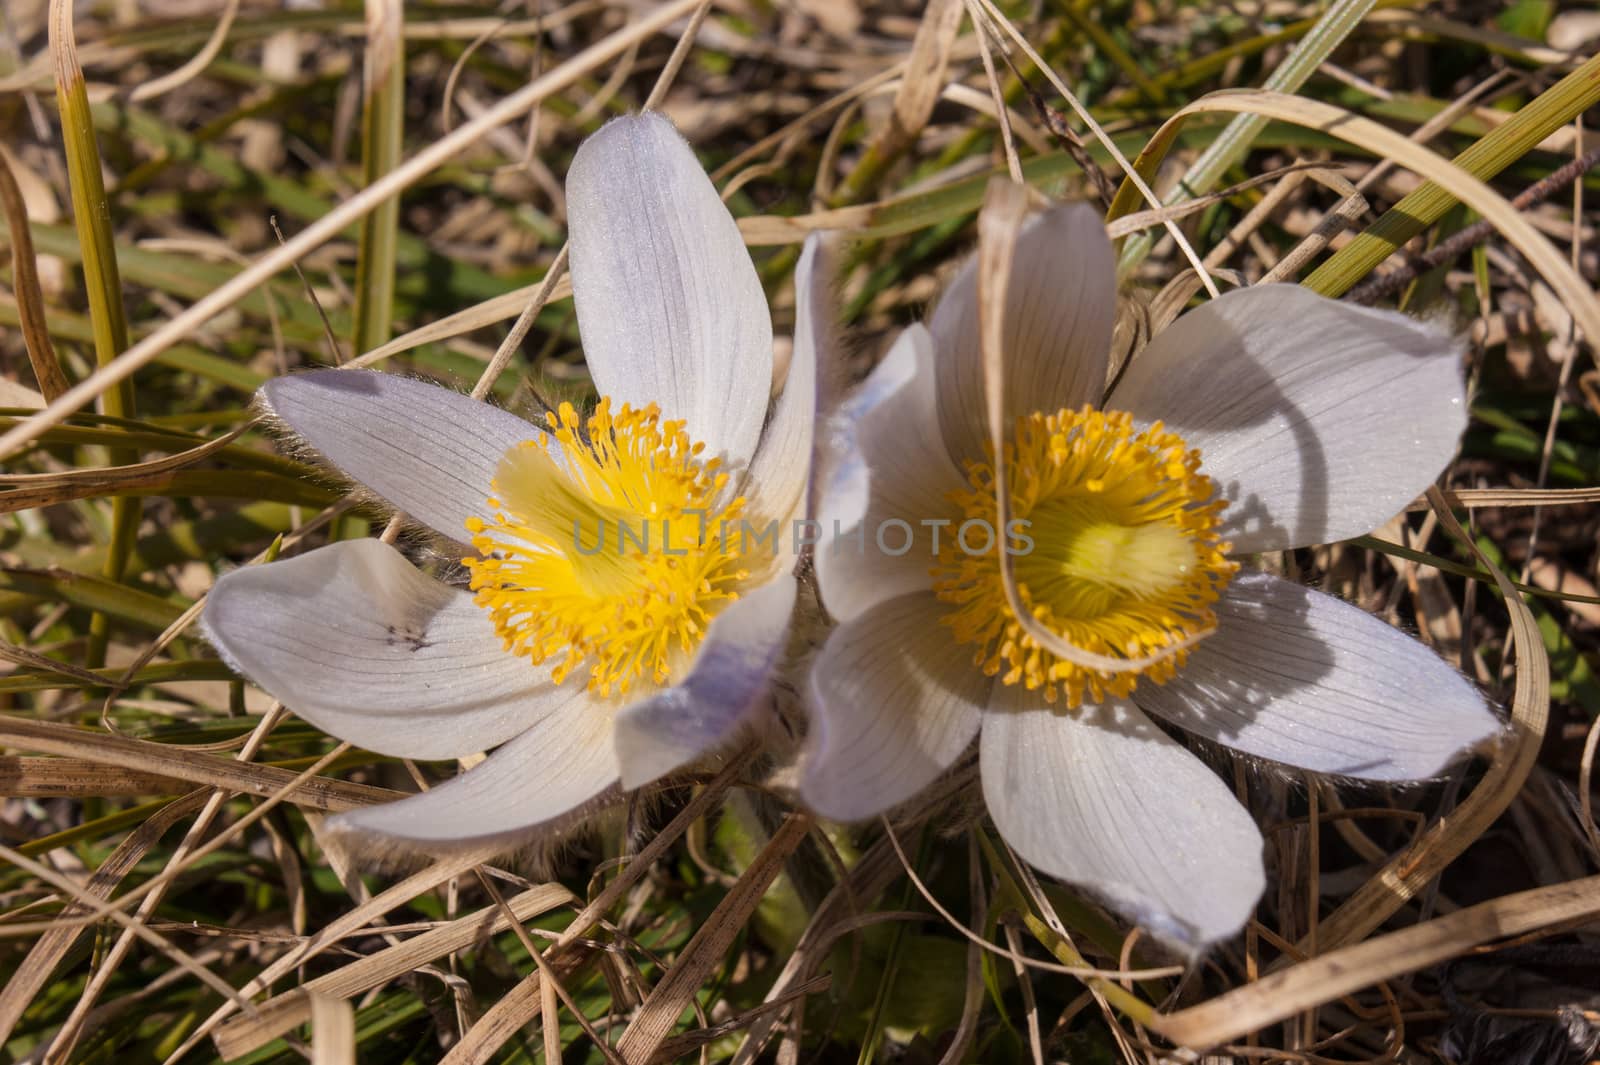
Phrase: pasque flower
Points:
(611, 630)
(1264, 420)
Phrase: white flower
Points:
(1315, 421)
(585, 664)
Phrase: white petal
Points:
(1060, 309)
(779, 473)
(355, 640)
(1105, 800)
(541, 781)
(430, 452)
(892, 467)
(1318, 419)
(1301, 678)
(893, 703)
(707, 709)
(669, 305)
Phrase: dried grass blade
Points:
(367, 913)
(30, 298)
(78, 778)
(91, 212)
(159, 759)
(1279, 996)
(382, 129)
(330, 224)
(704, 951)
(919, 91)
(1406, 874)
(52, 946)
(1549, 111)
(489, 312)
(513, 1010)
(283, 1013)
(333, 1031)
(109, 477)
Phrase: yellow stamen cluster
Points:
(614, 548)
(1125, 559)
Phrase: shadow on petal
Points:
(1301, 678)
(1318, 420)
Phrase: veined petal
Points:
(673, 728)
(1319, 420)
(1301, 678)
(1060, 309)
(1105, 800)
(893, 703)
(779, 472)
(891, 467)
(430, 452)
(541, 781)
(669, 305)
(355, 640)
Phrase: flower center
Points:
(612, 549)
(1119, 554)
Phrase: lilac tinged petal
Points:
(1106, 801)
(669, 305)
(724, 685)
(541, 781)
(1318, 420)
(893, 703)
(891, 467)
(355, 640)
(427, 450)
(1301, 678)
(779, 473)
(1059, 313)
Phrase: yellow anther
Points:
(608, 549)
(1126, 558)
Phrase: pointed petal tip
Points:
(1304, 679)
(670, 307)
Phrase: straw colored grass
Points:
(168, 891)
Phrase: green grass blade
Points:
(1548, 112)
(382, 128)
(92, 214)
(1234, 142)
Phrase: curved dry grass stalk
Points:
(1004, 208)
(30, 297)
(1409, 872)
(357, 206)
(1085, 972)
(196, 63)
(51, 946)
(512, 1012)
(1132, 175)
(655, 1019)
(1281, 995)
(1576, 295)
